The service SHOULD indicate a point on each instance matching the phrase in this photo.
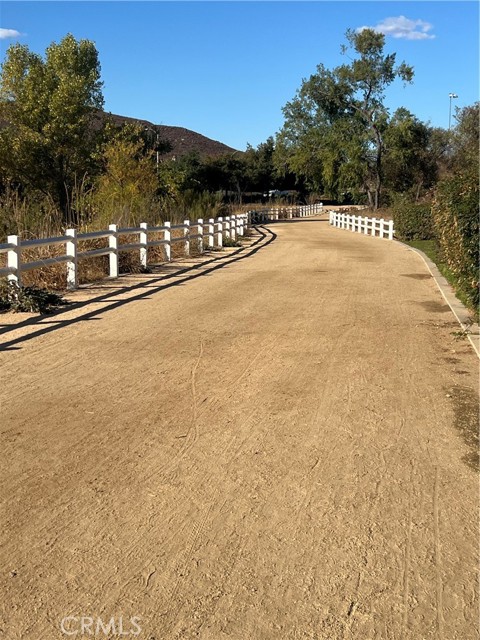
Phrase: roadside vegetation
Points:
(64, 163)
(28, 299)
(446, 225)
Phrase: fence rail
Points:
(361, 224)
(207, 234)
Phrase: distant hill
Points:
(182, 140)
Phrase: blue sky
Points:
(225, 69)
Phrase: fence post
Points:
(382, 227)
(227, 226)
(233, 227)
(240, 221)
(72, 264)
(220, 232)
(167, 236)
(365, 225)
(14, 260)
(211, 237)
(143, 241)
(374, 224)
(200, 233)
(186, 233)
(390, 229)
(113, 255)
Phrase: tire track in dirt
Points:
(438, 564)
(408, 546)
(135, 541)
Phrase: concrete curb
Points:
(458, 309)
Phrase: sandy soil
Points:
(273, 445)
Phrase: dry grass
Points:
(93, 269)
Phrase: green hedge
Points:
(413, 221)
(456, 219)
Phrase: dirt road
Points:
(273, 445)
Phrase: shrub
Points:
(413, 221)
(28, 299)
(456, 219)
(230, 242)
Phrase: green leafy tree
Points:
(465, 140)
(410, 166)
(260, 169)
(333, 131)
(128, 188)
(49, 104)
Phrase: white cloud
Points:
(402, 27)
(9, 33)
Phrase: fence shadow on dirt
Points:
(146, 288)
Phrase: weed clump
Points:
(230, 242)
(28, 299)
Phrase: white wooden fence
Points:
(285, 213)
(361, 224)
(206, 233)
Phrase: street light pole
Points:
(451, 95)
(156, 149)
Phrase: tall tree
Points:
(335, 124)
(410, 155)
(49, 104)
(260, 169)
(466, 138)
(126, 192)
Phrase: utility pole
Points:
(157, 154)
(451, 96)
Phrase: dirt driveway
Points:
(273, 445)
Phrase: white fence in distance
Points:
(206, 233)
(361, 224)
(284, 213)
